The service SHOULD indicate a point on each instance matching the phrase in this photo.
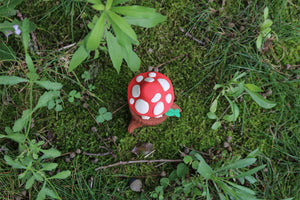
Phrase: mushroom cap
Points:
(150, 94)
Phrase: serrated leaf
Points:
(61, 175)
(11, 80)
(49, 85)
(78, 57)
(214, 105)
(45, 98)
(164, 182)
(182, 170)
(187, 159)
(216, 125)
(211, 115)
(14, 163)
(20, 123)
(49, 192)
(38, 177)
(50, 153)
(260, 100)
(122, 24)
(29, 182)
(48, 166)
(17, 137)
(114, 50)
(96, 35)
(41, 195)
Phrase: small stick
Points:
(66, 47)
(189, 35)
(136, 161)
(96, 154)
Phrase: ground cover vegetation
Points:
(234, 66)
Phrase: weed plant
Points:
(212, 41)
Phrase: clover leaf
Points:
(103, 115)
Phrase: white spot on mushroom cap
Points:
(156, 98)
(152, 74)
(131, 100)
(149, 79)
(136, 91)
(159, 108)
(164, 84)
(141, 106)
(168, 98)
(139, 79)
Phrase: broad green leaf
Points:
(78, 57)
(135, 11)
(45, 98)
(48, 166)
(164, 182)
(49, 85)
(100, 119)
(259, 41)
(41, 195)
(123, 39)
(249, 172)
(29, 63)
(216, 125)
(211, 115)
(204, 169)
(61, 175)
(234, 109)
(267, 23)
(122, 24)
(173, 176)
(25, 34)
(97, 2)
(29, 182)
(251, 179)
(260, 100)
(96, 35)
(20, 123)
(14, 163)
(11, 80)
(253, 154)
(32, 76)
(49, 192)
(144, 22)
(6, 53)
(116, 2)
(266, 13)
(132, 60)
(51, 104)
(182, 170)
(17, 137)
(50, 153)
(115, 51)
(237, 76)
(242, 188)
(38, 176)
(195, 164)
(213, 107)
(265, 32)
(107, 116)
(98, 7)
(187, 159)
(102, 110)
(239, 164)
(108, 4)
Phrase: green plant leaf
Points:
(116, 2)
(97, 2)
(38, 176)
(259, 41)
(29, 63)
(79, 56)
(29, 182)
(213, 107)
(144, 22)
(14, 163)
(115, 51)
(239, 164)
(216, 125)
(132, 60)
(102, 110)
(267, 23)
(173, 176)
(187, 159)
(249, 172)
(42, 194)
(266, 13)
(6, 53)
(204, 169)
(17, 137)
(242, 188)
(96, 35)
(48, 166)
(122, 24)
(195, 164)
(260, 100)
(49, 85)
(253, 88)
(45, 98)
(211, 115)
(182, 170)
(253, 154)
(49, 192)
(20, 123)
(98, 7)
(108, 4)
(134, 11)
(100, 119)
(11, 80)
(107, 116)
(50, 153)
(164, 182)
(61, 175)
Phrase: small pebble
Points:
(135, 185)
(67, 159)
(72, 155)
(78, 151)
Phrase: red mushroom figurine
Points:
(150, 96)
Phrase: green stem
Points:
(31, 109)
